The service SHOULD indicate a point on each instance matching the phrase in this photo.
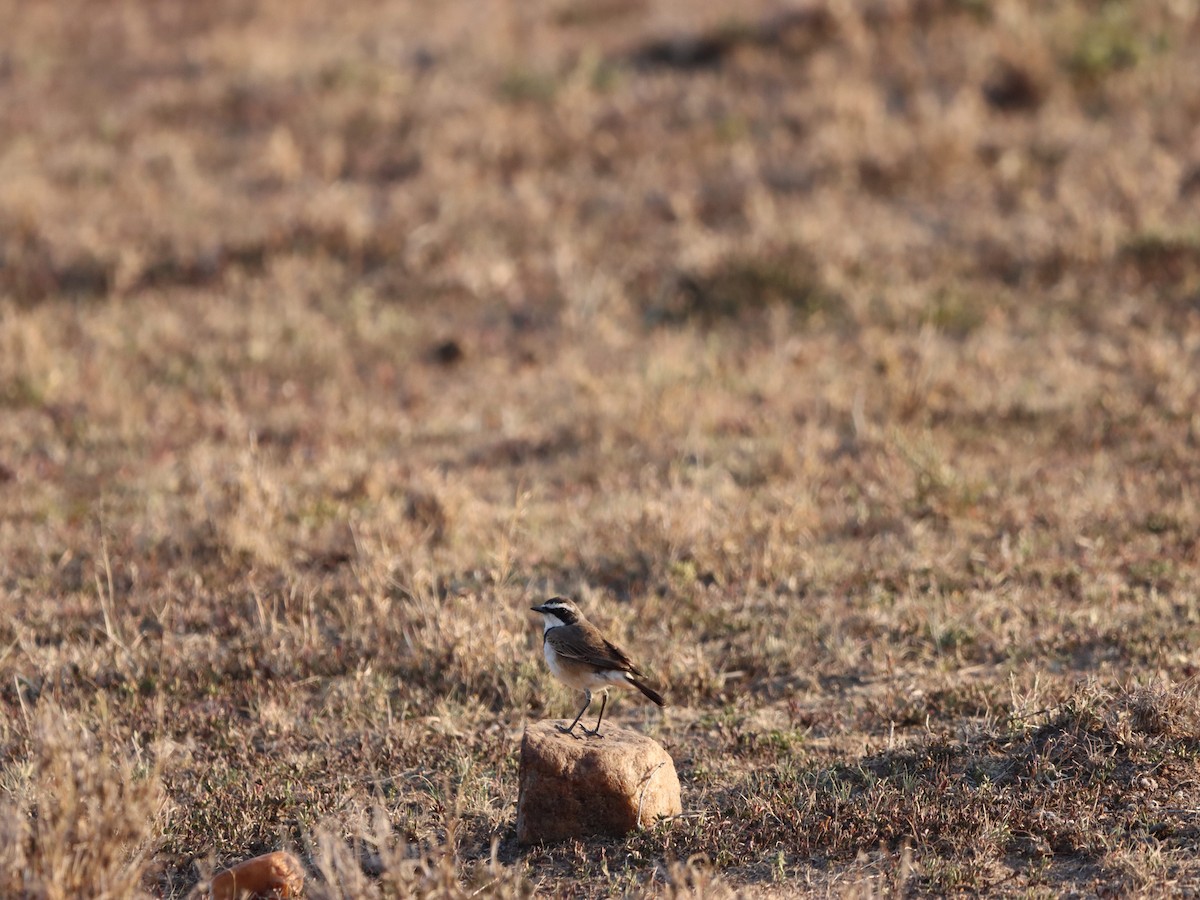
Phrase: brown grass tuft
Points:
(78, 815)
(377, 864)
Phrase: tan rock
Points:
(276, 875)
(572, 785)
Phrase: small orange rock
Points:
(276, 874)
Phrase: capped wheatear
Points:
(583, 658)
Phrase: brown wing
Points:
(587, 645)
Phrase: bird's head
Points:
(558, 611)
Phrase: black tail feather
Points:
(652, 694)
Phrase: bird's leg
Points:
(586, 703)
(595, 732)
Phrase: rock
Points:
(272, 875)
(571, 785)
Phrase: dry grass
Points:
(843, 358)
(78, 818)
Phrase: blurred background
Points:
(566, 159)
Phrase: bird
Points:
(580, 656)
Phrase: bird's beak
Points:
(537, 609)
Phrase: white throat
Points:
(550, 620)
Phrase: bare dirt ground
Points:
(842, 358)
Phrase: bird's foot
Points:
(566, 730)
(594, 732)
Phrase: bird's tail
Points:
(652, 694)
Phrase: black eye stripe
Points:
(564, 613)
